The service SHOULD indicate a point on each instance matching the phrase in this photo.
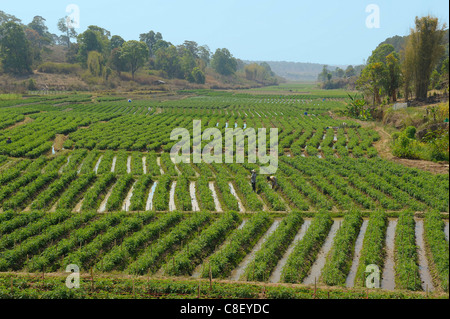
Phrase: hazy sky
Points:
(321, 31)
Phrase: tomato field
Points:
(112, 201)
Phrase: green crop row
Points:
(273, 248)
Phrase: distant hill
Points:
(297, 71)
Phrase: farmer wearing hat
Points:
(254, 180)
(8, 141)
(273, 179)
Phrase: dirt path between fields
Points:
(59, 142)
(384, 150)
(25, 121)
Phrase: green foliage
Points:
(223, 62)
(357, 109)
(372, 252)
(437, 245)
(410, 132)
(152, 257)
(422, 53)
(339, 260)
(198, 76)
(266, 259)
(15, 50)
(239, 244)
(185, 261)
(135, 53)
(305, 252)
(406, 255)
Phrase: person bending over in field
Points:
(253, 179)
(273, 179)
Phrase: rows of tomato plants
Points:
(294, 196)
(75, 158)
(75, 190)
(136, 163)
(120, 256)
(241, 241)
(106, 163)
(437, 247)
(121, 163)
(139, 198)
(152, 165)
(204, 194)
(373, 249)
(228, 201)
(300, 261)
(87, 166)
(407, 274)
(50, 259)
(162, 193)
(11, 188)
(339, 260)
(88, 254)
(182, 194)
(11, 221)
(13, 172)
(244, 189)
(119, 192)
(272, 250)
(167, 165)
(185, 261)
(153, 256)
(49, 196)
(94, 196)
(319, 200)
(13, 259)
(36, 223)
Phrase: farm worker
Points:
(254, 180)
(273, 179)
(8, 141)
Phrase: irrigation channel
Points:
(425, 275)
(318, 265)
(276, 274)
(388, 277)
(350, 282)
(216, 199)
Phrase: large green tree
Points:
(116, 42)
(223, 62)
(167, 60)
(382, 74)
(15, 50)
(93, 39)
(38, 25)
(151, 38)
(135, 53)
(423, 51)
(4, 17)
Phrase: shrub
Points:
(58, 68)
(410, 132)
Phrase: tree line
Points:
(101, 54)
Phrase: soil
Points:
(25, 121)
(59, 142)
